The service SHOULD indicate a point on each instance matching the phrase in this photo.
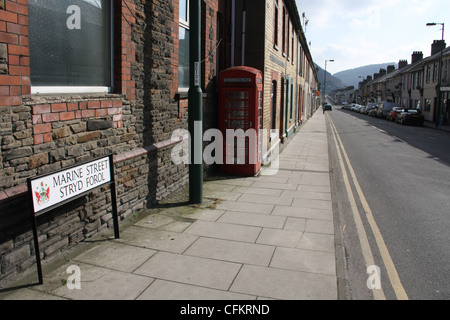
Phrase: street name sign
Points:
(50, 191)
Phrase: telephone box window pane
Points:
(70, 42)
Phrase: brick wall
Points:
(14, 52)
(281, 67)
(40, 134)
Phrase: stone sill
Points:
(34, 99)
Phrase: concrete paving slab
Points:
(284, 284)
(295, 224)
(224, 195)
(225, 231)
(308, 213)
(288, 173)
(302, 194)
(168, 290)
(176, 226)
(217, 185)
(156, 239)
(30, 294)
(155, 221)
(319, 226)
(207, 215)
(312, 203)
(286, 164)
(117, 256)
(282, 238)
(233, 181)
(267, 199)
(245, 207)
(317, 242)
(253, 219)
(304, 260)
(259, 191)
(273, 185)
(313, 188)
(316, 167)
(190, 270)
(312, 180)
(233, 251)
(105, 284)
(274, 179)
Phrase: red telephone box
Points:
(240, 120)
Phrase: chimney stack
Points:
(390, 68)
(416, 56)
(438, 46)
(402, 64)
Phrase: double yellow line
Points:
(367, 251)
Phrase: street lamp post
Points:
(438, 88)
(325, 82)
(195, 117)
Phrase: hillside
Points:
(332, 84)
(351, 77)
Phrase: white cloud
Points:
(357, 33)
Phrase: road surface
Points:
(394, 212)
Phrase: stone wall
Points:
(40, 134)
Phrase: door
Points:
(274, 105)
(282, 108)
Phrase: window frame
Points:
(428, 75)
(276, 16)
(86, 89)
(185, 24)
(283, 37)
(435, 72)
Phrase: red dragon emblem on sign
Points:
(42, 193)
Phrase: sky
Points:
(356, 33)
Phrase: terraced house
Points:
(268, 35)
(414, 85)
(81, 79)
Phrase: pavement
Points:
(265, 237)
(443, 127)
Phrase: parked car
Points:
(384, 108)
(356, 107)
(373, 112)
(392, 115)
(327, 107)
(411, 116)
(370, 107)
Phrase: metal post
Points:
(35, 234)
(324, 98)
(438, 89)
(195, 110)
(114, 198)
